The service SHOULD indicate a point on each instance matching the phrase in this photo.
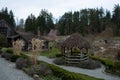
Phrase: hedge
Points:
(107, 62)
(67, 75)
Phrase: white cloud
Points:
(23, 8)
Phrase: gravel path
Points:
(98, 73)
(9, 72)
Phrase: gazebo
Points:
(75, 49)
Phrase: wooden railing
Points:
(75, 59)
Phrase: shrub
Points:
(9, 51)
(105, 61)
(14, 58)
(66, 75)
(30, 71)
(0, 48)
(40, 69)
(8, 56)
(24, 56)
(3, 54)
(44, 70)
(20, 63)
(91, 64)
(51, 78)
(4, 49)
(0, 52)
(59, 61)
(59, 55)
(111, 66)
(117, 65)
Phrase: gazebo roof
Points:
(75, 40)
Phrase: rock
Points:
(36, 77)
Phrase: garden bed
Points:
(47, 71)
(22, 62)
(89, 64)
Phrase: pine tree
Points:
(30, 24)
(7, 16)
(116, 20)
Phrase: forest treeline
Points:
(84, 21)
(8, 16)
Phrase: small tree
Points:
(17, 46)
(36, 48)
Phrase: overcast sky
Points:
(23, 8)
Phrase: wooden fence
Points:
(73, 59)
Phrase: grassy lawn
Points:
(51, 53)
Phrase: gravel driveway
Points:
(9, 72)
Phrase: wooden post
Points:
(81, 53)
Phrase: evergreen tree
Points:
(7, 16)
(45, 22)
(76, 21)
(68, 23)
(106, 21)
(116, 20)
(83, 21)
(12, 21)
(30, 24)
(61, 25)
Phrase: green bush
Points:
(20, 63)
(4, 49)
(0, 48)
(105, 61)
(41, 70)
(66, 75)
(117, 65)
(111, 66)
(7, 56)
(14, 58)
(50, 78)
(59, 55)
(0, 52)
(24, 56)
(91, 64)
(9, 50)
(3, 54)
(59, 61)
